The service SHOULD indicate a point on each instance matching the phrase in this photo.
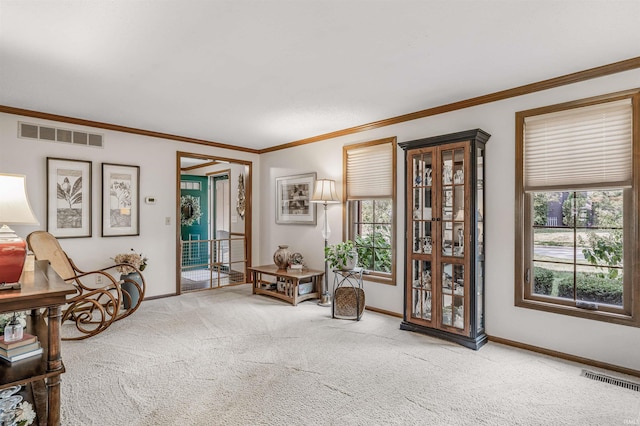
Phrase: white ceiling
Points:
(260, 73)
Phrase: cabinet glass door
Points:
(422, 203)
(421, 302)
(453, 202)
(453, 292)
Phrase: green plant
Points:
(338, 255)
(592, 288)
(542, 281)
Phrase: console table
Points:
(41, 288)
(287, 284)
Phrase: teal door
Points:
(194, 214)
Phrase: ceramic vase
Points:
(281, 257)
(129, 287)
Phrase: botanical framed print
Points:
(293, 200)
(120, 200)
(68, 198)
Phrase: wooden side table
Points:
(287, 283)
(41, 288)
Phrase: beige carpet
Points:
(226, 357)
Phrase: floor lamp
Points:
(325, 193)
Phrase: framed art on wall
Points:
(120, 200)
(68, 198)
(293, 200)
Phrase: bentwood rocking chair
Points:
(92, 309)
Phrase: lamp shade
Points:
(14, 204)
(16, 210)
(325, 192)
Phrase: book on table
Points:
(26, 339)
(19, 350)
(25, 355)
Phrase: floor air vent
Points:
(46, 133)
(611, 380)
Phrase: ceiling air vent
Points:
(53, 134)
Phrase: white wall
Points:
(157, 160)
(610, 343)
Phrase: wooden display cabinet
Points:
(444, 252)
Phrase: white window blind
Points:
(370, 172)
(582, 147)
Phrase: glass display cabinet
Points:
(444, 252)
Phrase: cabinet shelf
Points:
(444, 273)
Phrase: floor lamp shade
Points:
(14, 210)
(325, 192)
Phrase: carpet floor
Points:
(227, 357)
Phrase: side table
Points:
(288, 283)
(348, 294)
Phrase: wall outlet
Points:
(99, 279)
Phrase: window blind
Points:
(370, 171)
(582, 147)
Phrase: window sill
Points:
(573, 311)
(372, 277)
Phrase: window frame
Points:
(629, 314)
(348, 216)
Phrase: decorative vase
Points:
(128, 286)
(281, 257)
(351, 262)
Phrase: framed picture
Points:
(293, 200)
(120, 200)
(68, 198)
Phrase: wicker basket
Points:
(348, 303)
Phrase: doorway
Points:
(214, 214)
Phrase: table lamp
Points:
(325, 193)
(15, 210)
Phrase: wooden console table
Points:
(41, 288)
(289, 281)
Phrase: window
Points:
(577, 208)
(370, 185)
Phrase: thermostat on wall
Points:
(150, 200)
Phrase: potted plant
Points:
(341, 255)
(129, 275)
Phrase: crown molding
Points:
(576, 77)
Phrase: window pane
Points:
(366, 212)
(382, 211)
(592, 285)
(578, 245)
(553, 245)
(546, 278)
(372, 233)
